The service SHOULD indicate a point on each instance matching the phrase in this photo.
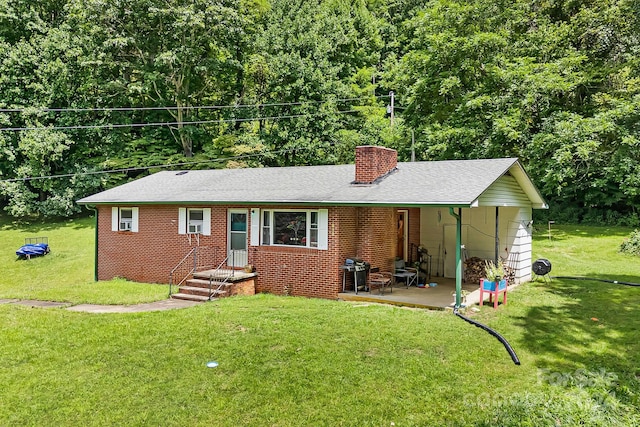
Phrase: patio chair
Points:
(381, 280)
(409, 275)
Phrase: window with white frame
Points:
(305, 228)
(195, 221)
(266, 227)
(124, 219)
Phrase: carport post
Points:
(458, 218)
(95, 245)
(497, 238)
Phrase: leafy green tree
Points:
(172, 54)
(37, 71)
(304, 82)
(552, 83)
(310, 55)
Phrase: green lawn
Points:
(287, 361)
(67, 273)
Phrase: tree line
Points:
(130, 86)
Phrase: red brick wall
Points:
(245, 287)
(377, 236)
(150, 254)
(414, 232)
(302, 271)
(372, 162)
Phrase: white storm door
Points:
(237, 237)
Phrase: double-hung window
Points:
(196, 217)
(194, 221)
(306, 228)
(266, 227)
(124, 219)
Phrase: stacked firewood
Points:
(509, 273)
(474, 270)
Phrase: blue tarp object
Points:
(33, 249)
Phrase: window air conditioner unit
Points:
(125, 226)
(195, 228)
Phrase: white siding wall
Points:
(480, 224)
(438, 235)
(432, 221)
(517, 239)
(504, 192)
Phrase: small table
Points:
(410, 277)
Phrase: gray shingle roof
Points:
(448, 183)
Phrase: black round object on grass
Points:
(541, 267)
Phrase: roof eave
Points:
(455, 204)
(537, 201)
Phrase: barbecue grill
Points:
(360, 271)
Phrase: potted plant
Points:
(493, 277)
(463, 296)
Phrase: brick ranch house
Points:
(297, 225)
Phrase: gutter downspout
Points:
(497, 238)
(458, 218)
(95, 253)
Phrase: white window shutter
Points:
(134, 220)
(255, 227)
(323, 229)
(206, 221)
(182, 220)
(115, 217)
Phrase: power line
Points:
(172, 108)
(141, 168)
(152, 124)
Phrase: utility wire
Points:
(140, 168)
(152, 124)
(171, 108)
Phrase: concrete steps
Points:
(224, 283)
(189, 297)
(198, 290)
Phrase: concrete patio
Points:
(434, 298)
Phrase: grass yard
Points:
(66, 274)
(287, 361)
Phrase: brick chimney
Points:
(374, 162)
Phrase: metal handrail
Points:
(223, 281)
(194, 252)
(186, 257)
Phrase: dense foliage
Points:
(233, 83)
(631, 245)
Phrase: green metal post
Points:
(458, 256)
(95, 246)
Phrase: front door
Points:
(237, 238)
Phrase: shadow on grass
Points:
(568, 232)
(44, 225)
(586, 325)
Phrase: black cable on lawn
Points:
(500, 338)
(617, 282)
